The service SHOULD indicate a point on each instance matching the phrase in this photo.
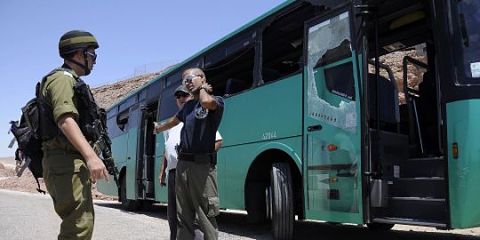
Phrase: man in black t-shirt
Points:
(196, 179)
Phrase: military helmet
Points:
(75, 40)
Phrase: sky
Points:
(134, 36)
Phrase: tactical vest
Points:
(88, 111)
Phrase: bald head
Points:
(193, 71)
(193, 79)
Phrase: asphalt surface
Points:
(30, 216)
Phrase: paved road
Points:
(30, 216)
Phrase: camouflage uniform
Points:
(65, 172)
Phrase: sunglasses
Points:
(93, 55)
(184, 95)
(189, 78)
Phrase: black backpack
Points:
(27, 134)
(29, 137)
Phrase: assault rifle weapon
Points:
(102, 146)
(93, 122)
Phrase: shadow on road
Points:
(238, 224)
(155, 210)
(108, 204)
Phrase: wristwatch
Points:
(204, 88)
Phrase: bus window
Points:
(330, 73)
(234, 85)
(468, 42)
(112, 126)
(282, 45)
(112, 112)
(152, 93)
(340, 52)
(143, 94)
(340, 81)
(233, 74)
(168, 106)
(122, 120)
(176, 77)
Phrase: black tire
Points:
(257, 203)
(282, 202)
(268, 203)
(147, 205)
(127, 204)
(380, 226)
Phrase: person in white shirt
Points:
(172, 141)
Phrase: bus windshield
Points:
(468, 22)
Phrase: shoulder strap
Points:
(60, 69)
(74, 75)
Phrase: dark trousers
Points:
(172, 205)
(172, 209)
(197, 198)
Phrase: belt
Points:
(198, 157)
(60, 151)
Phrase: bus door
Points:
(147, 152)
(462, 112)
(332, 171)
(166, 108)
(132, 180)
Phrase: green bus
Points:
(320, 125)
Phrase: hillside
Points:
(108, 94)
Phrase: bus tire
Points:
(147, 205)
(127, 204)
(257, 204)
(380, 226)
(282, 202)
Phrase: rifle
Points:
(102, 146)
(93, 122)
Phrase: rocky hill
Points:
(395, 62)
(108, 94)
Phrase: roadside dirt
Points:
(27, 183)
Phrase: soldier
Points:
(70, 165)
(196, 174)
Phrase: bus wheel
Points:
(282, 201)
(257, 203)
(147, 205)
(127, 204)
(380, 226)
